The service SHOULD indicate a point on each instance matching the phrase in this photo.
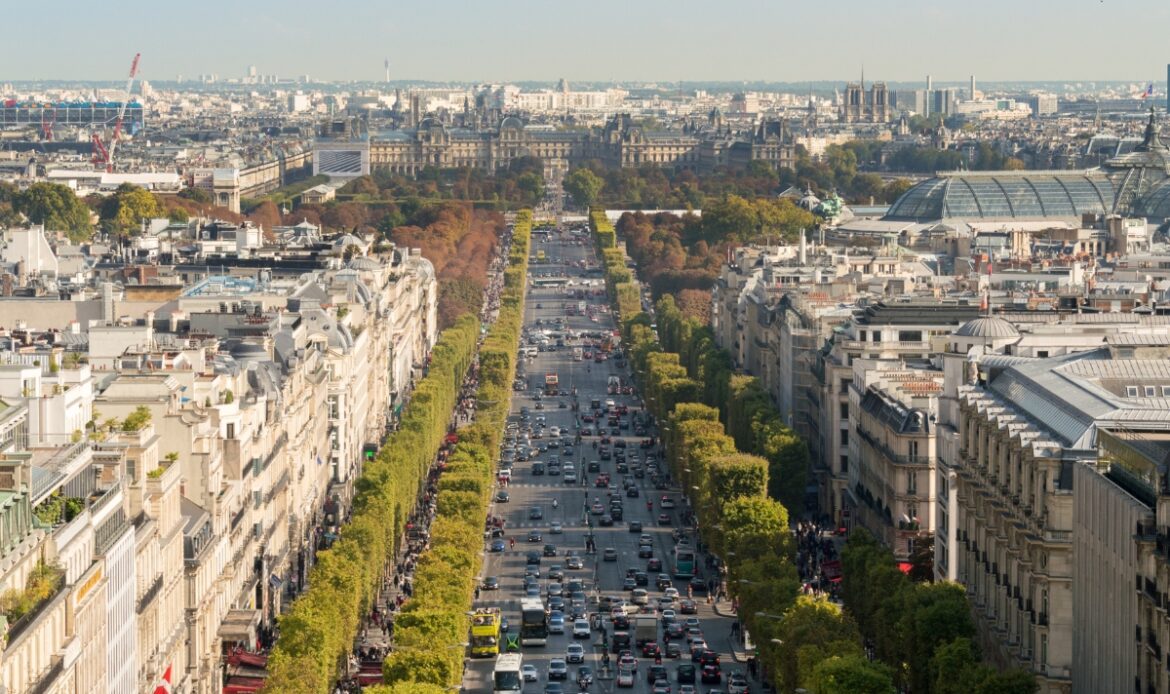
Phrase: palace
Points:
(621, 143)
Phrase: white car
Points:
(529, 672)
(640, 597)
(557, 669)
(555, 529)
(625, 677)
(671, 592)
(581, 629)
(575, 653)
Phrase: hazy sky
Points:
(665, 40)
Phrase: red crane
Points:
(103, 154)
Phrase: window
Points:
(912, 483)
(1131, 391)
(1166, 391)
(910, 336)
(1150, 391)
(844, 410)
(844, 464)
(1043, 353)
(844, 437)
(231, 430)
(1043, 661)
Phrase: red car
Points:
(651, 649)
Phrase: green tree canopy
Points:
(584, 186)
(124, 211)
(56, 207)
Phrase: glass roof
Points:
(1005, 195)
(1156, 204)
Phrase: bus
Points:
(533, 622)
(485, 632)
(577, 354)
(507, 676)
(684, 562)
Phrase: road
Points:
(546, 304)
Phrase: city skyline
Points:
(521, 40)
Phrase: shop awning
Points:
(240, 625)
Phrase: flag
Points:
(1148, 92)
(164, 685)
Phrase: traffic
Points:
(592, 578)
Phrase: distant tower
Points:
(929, 89)
(929, 83)
(386, 63)
(1168, 87)
(972, 90)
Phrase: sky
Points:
(598, 40)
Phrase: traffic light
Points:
(369, 451)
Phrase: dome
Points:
(512, 122)
(363, 262)
(992, 328)
(809, 201)
(1005, 195)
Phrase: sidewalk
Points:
(725, 608)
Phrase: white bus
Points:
(507, 676)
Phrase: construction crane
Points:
(103, 154)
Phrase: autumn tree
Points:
(124, 211)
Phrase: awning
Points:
(240, 625)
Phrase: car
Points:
(694, 633)
(626, 659)
(708, 657)
(575, 653)
(554, 688)
(609, 554)
(529, 672)
(532, 590)
(635, 526)
(698, 585)
(685, 673)
(645, 551)
(651, 649)
(556, 529)
(597, 509)
(574, 562)
(668, 616)
(629, 583)
(737, 684)
(502, 497)
(640, 597)
(673, 631)
(664, 602)
(499, 545)
(491, 583)
(673, 650)
(641, 578)
(556, 602)
(654, 564)
(660, 687)
(655, 673)
(556, 623)
(532, 558)
(666, 502)
(698, 648)
(662, 581)
(535, 536)
(688, 606)
(664, 519)
(690, 689)
(549, 550)
(555, 574)
(606, 521)
(671, 592)
(570, 477)
(625, 678)
(584, 677)
(691, 623)
(632, 492)
(580, 628)
(711, 674)
(594, 466)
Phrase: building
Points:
(621, 143)
(1043, 105)
(893, 411)
(861, 106)
(84, 114)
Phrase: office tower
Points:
(387, 64)
(1168, 88)
(971, 94)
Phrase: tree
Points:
(532, 184)
(584, 186)
(851, 674)
(137, 420)
(731, 216)
(123, 212)
(56, 207)
(196, 195)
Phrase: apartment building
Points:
(893, 411)
(202, 464)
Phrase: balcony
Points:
(27, 605)
(150, 594)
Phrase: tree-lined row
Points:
(728, 491)
(430, 630)
(923, 631)
(318, 632)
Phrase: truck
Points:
(533, 622)
(645, 629)
(577, 354)
(550, 383)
